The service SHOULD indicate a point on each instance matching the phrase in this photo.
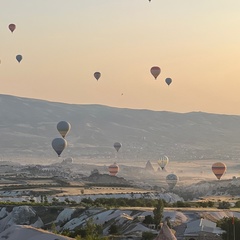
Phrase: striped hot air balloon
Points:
(113, 169)
(117, 146)
(171, 180)
(219, 169)
(163, 161)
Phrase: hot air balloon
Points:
(97, 75)
(113, 169)
(219, 169)
(12, 27)
(59, 145)
(155, 71)
(168, 81)
(163, 161)
(171, 180)
(19, 58)
(63, 127)
(117, 146)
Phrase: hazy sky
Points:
(63, 42)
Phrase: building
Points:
(202, 229)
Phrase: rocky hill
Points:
(128, 220)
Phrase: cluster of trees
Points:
(122, 202)
(90, 231)
(231, 225)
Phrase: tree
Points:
(147, 236)
(148, 220)
(229, 225)
(113, 230)
(45, 199)
(53, 228)
(237, 204)
(168, 222)
(158, 212)
(224, 205)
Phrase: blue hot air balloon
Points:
(19, 58)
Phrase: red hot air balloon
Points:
(113, 169)
(155, 71)
(219, 169)
(12, 27)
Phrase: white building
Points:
(202, 227)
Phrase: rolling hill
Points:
(27, 127)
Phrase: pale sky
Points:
(63, 42)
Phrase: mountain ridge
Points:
(27, 127)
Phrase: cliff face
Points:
(22, 215)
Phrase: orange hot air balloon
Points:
(155, 71)
(219, 169)
(12, 27)
(113, 169)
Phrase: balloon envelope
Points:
(155, 71)
(168, 81)
(12, 27)
(219, 169)
(113, 169)
(63, 127)
(163, 161)
(97, 75)
(19, 58)
(171, 180)
(59, 144)
(117, 146)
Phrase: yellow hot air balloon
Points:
(219, 169)
(163, 161)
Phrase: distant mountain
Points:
(27, 127)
